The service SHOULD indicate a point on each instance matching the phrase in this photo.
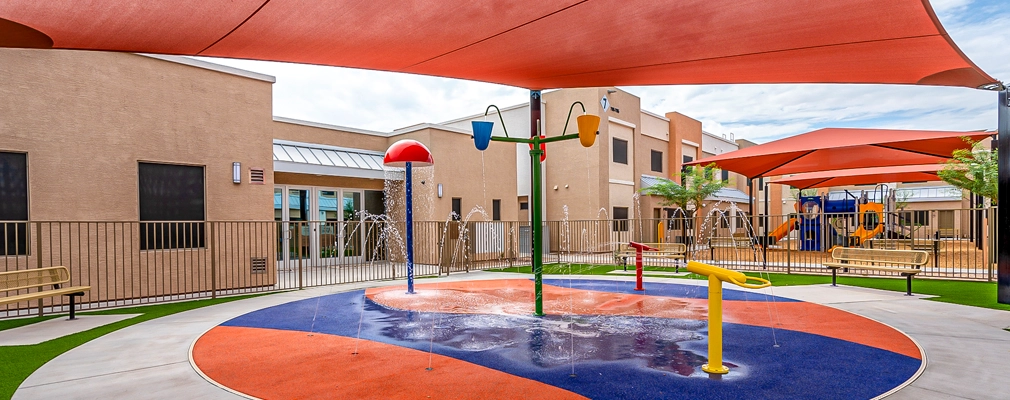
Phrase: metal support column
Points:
(765, 221)
(536, 202)
(1003, 216)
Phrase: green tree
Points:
(972, 169)
(698, 184)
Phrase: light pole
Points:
(588, 129)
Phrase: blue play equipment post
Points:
(410, 232)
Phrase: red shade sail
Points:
(863, 176)
(407, 151)
(531, 44)
(832, 149)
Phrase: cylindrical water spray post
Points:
(714, 365)
(407, 154)
(639, 247)
(716, 276)
(537, 222)
(410, 229)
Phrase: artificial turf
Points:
(18, 362)
(978, 294)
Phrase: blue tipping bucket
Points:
(482, 134)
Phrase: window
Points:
(14, 203)
(171, 193)
(683, 168)
(725, 176)
(920, 217)
(524, 206)
(457, 208)
(496, 210)
(621, 219)
(620, 151)
(657, 161)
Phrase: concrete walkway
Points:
(966, 348)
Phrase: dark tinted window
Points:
(457, 208)
(524, 206)
(657, 161)
(621, 219)
(171, 193)
(496, 210)
(620, 151)
(725, 175)
(14, 203)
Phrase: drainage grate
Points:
(258, 265)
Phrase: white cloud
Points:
(385, 101)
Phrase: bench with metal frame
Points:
(908, 263)
(734, 242)
(37, 278)
(673, 251)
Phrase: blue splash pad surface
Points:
(663, 289)
(616, 357)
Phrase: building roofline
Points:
(331, 127)
(192, 62)
(652, 114)
(469, 117)
(724, 139)
(428, 125)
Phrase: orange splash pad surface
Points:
(515, 296)
(320, 366)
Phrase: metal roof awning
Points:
(724, 194)
(833, 149)
(863, 176)
(317, 159)
(535, 45)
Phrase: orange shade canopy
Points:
(831, 149)
(531, 44)
(863, 176)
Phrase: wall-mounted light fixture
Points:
(236, 172)
(440, 190)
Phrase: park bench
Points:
(37, 278)
(671, 251)
(734, 242)
(904, 262)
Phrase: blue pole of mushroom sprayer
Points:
(410, 233)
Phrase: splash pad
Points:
(599, 339)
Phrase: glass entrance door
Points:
(352, 237)
(329, 226)
(300, 240)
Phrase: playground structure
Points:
(824, 224)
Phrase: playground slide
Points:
(865, 234)
(782, 230)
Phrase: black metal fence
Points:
(187, 260)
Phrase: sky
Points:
(384, 101)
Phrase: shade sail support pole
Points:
(537, 202)
(1003, 197)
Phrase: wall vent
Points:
(258, 265)
(256, 176)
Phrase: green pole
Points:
(538, 262)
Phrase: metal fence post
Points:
(213, 263)
(38, 254)
(300, 258)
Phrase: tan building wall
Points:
(86, 119)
